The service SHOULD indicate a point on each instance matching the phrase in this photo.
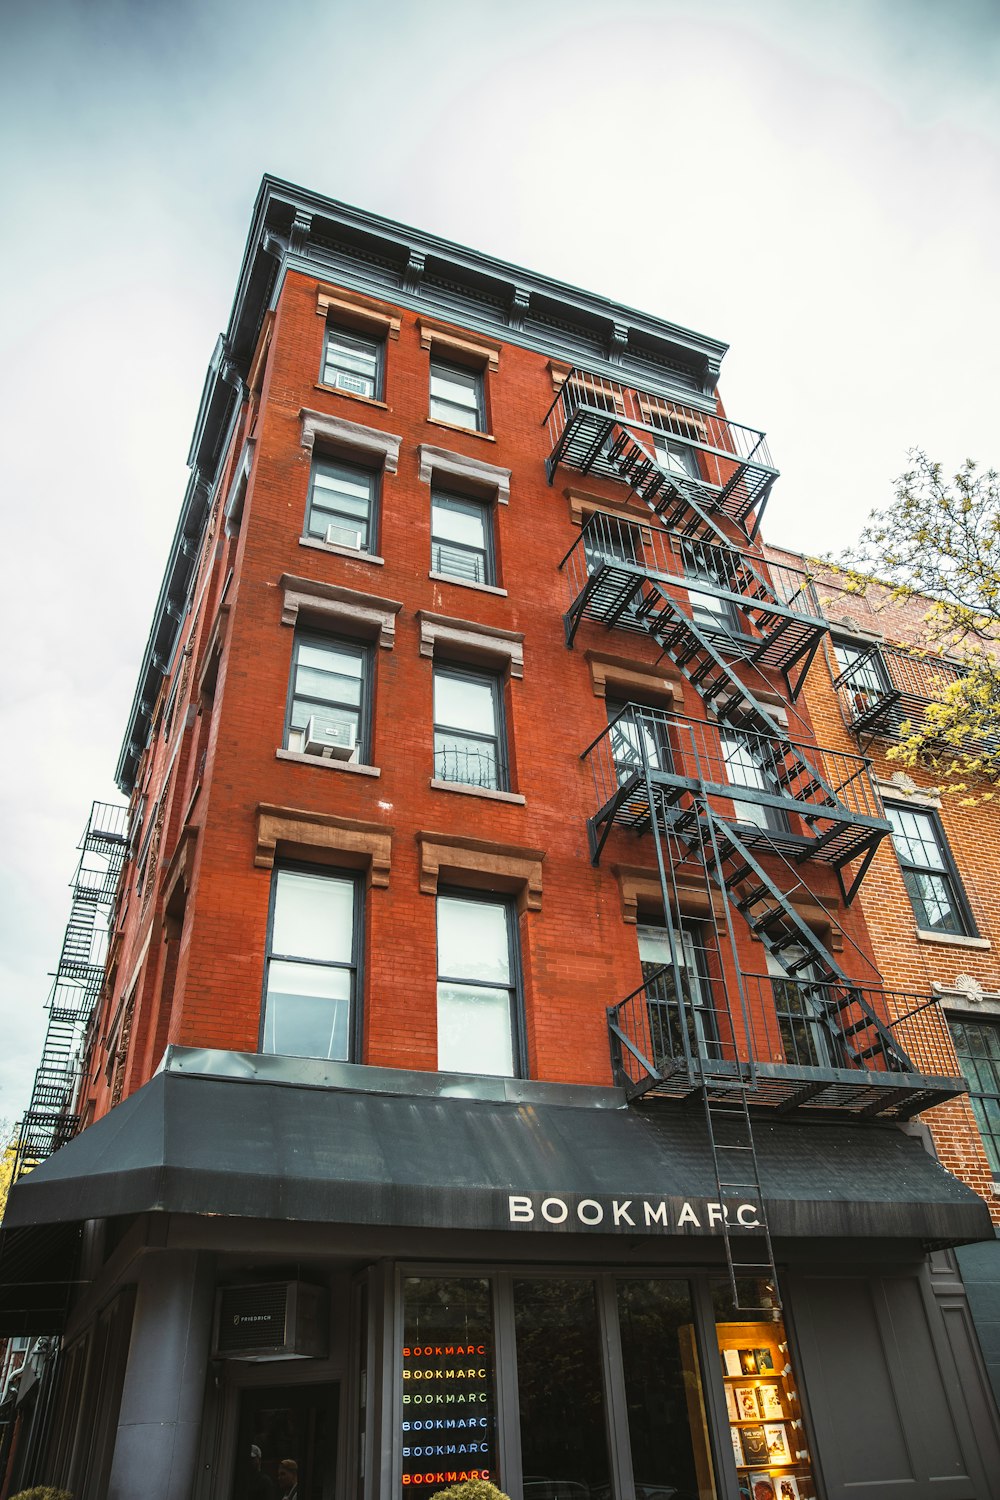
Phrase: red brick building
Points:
(492, 1073)
(931, 902)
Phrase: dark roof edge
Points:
(290, 229)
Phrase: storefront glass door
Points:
(287, 1443)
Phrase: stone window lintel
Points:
(369, 443)
(474, 472)
(353, 311)
(649, 682)
(453, 341)
(483, 865)
(471, 640)
(330, 603)
(290, 830)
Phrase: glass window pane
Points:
(564, 1448)
(307, 1011)
(466, 762)
(464, 703)
(447, 1352)
(313, 916)
(668, 1433)
(474, 1030)
(459, 521)
(473, 940)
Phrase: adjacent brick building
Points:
(491, 1071)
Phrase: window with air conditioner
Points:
(311, 967)
(353, 362)
(342, 505)
(328, 709)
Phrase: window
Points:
(929, 875)
(798, 1006)
(640, 737)
(675, 458)
(977, 1044)
(865, 678)
(352, 362)
(311, 971)
(477, 992)
(461, 538)
(610, 539)
(661, 991)
(705, 564)
(457, 396)
(328, 712)
(468, 721)
(342, 504)
(748, 762)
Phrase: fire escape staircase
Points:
(49, 1120)
(679, 810)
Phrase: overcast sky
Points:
(817, 184)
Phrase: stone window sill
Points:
(476, 791)
(353, 552)
(954, 940)
(484, 437)
(465, 583)
(334, 390)
(327, 765)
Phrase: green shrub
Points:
(471, 1489)
(42, 1492)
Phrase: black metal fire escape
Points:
(705, 479)
(50, 1120)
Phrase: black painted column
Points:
(156, 1445)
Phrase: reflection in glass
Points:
(666, 1415)
(564, 1447)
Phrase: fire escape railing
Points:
(746, 606)
(886, 687)
(673, 454)
(50, 1119)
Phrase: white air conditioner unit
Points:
(334, 739)
(340, 535)
(348, 382)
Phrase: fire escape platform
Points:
(608, 594)
(793, 1089)
(846, 835)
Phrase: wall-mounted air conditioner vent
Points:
(275, 1320)
(334, 739)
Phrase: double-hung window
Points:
(977, 1046)
(675, 457)
(329, 693)
(458, 396)
(342, 505)
(353, 362)
(663, 1004)
(748, 761)
(640, 737)
(462, 538)
(799, 1002)
(706, 564)
(469, 740)
(478, 1012)
(311, 971)
(862, 672)
(929, 874)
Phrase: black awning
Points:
(198, 1144)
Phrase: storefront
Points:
(392, 1281)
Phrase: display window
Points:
(766, 1424)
